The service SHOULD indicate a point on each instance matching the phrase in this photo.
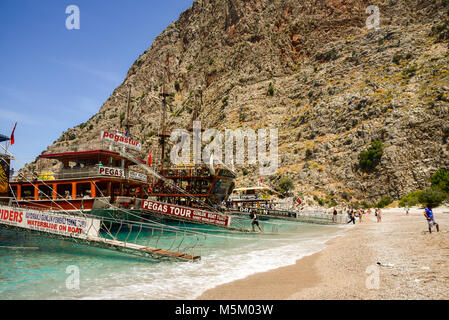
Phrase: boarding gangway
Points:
(141, 239)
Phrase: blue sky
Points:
(52, 78)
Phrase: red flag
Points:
(298, 201)
(261, 180)
(149, 159)
(12, 134)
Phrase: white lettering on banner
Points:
(185, 212)
(111, 172)
(137, 176)
(65, 225)
(125, 141)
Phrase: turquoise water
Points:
(43, 273)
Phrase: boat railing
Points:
(186, 172)
(246, 197)
(77, 173)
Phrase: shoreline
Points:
(414, 265)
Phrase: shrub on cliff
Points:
(411, 199)
(370, 158)
(385, 201)
(285, 184)
(271, 90)
(440, 179)
(432, 196)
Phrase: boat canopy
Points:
(252, 189)
(98, 155)
(4, 138)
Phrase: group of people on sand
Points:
(353, 214)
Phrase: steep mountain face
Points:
(312, 70)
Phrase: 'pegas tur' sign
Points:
(119, 139)
(186, 213)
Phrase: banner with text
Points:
(187, 213)
(111, 172)
(70, 226)
(121, 140)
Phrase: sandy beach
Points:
(414, 264)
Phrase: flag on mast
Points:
(149, 160)
(12, 134)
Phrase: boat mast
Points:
(127, 122)
(163, 135)
(128, 125)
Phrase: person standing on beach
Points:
(351, 216)
(334, 216)
(406, 210)
(360, 215)
(428, 213)
(379, 215)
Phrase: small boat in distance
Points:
(262, 200)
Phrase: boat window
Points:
(101, 189)
(83, 190)
(14, 191)
(45, 192)
(64, 191)
(27, 192)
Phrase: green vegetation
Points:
(327, 56)
(242, 116)
(434, 195)
(431, 196)
(285, 184)
(440, 180)
(319, 200)
(309, 153)
(152, 133)
(271, 89)
(329, 201)
(369, 159)
(411, 199)
(385, 201)
(224, 102)
(410, 72)
(397, 58)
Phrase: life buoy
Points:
(150, 190)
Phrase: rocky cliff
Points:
(309, 68)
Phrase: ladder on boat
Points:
(98, 232)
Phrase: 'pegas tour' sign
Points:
(119, 139)
(186, 213)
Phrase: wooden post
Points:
(92, 190)
(19, 192)
(36, 192)
(73, 190)
(55, 188)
